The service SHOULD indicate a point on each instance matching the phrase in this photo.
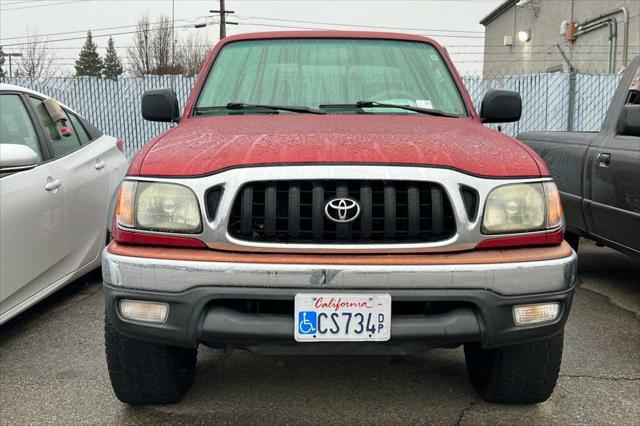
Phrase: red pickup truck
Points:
(335, 193)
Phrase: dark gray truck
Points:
(598, 173)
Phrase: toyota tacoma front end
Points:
(335, 193)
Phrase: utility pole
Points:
(223, 19)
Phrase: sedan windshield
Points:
(329, 72)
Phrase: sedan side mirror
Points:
(15, 158)
(629, 124)
(501, 106)
(160, 105)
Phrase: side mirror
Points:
(629, 124)
(160, 105)
(501, 106)
(15, 158)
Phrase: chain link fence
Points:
(114, 105)
(593, 94)
(545, 100)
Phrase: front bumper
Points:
(219, 303)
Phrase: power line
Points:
(82, 38)
(18, 2)
(187, 26)
(306, 28)
(44, 5)
(316, 28)
(354, 25)
(3, 3)
(520, 59)
(85, 31)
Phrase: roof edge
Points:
(321, 33)
(498, 11)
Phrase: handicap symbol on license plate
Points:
(307, 322)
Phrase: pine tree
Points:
(89, 62)
(112, 65)
(2, 74)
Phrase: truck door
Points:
(615, 179)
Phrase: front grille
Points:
(294, 212)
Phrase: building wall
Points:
(589, 53)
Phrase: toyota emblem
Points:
(342, 210)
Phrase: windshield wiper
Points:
(375, 104)
(243, 106)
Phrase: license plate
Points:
(342, 317)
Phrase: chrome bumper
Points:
(174, 276)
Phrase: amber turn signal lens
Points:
(125, 203)
(554, 206)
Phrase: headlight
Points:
(153, 206)
(522, 207)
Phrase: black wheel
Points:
(147, 373)
(573, 240)
(518, 374)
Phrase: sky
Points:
(453, 23)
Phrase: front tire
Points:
(147, 373)
(518, 374)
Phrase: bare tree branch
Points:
(192, 52)
(140, 53)
(161, 46)
(37, 59)
(152, 51)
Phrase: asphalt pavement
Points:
(53, 371)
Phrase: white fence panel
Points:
(593, 94)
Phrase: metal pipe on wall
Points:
(625, 35)
(590, 23)
(613, 37)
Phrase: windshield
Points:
(314, 72)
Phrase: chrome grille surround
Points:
(215, 235)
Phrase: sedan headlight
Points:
(521, 208)
(154, 206)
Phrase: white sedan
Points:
(58, 174)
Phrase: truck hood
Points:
(206, 145)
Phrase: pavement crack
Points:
(611, 302)
(615, 379)
(466, 409)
